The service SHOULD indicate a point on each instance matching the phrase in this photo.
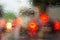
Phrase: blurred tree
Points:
(43, 4)
(9, 15)
(26, 12)
(1, 11)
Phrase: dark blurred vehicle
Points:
(44, 24)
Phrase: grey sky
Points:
(14, 5)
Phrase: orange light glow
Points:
(44, 17)
(2, 23)
(33, 25)
(18, 21)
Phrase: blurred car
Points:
(44, 24)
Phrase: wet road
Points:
(10, 36)
(46, 37)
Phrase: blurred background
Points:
(29, 19)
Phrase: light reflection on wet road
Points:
(53, 36)
(47, 37)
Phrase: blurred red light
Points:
(2, 23)
(13, 23)
(32, 28)
(56, 25)
(18, 21)
(44, 17)
(33, 25)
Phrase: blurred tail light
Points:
(18, 21)
(32, 28)
(44, 17)
(56, 25)
(33, 25)
(2, 23)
